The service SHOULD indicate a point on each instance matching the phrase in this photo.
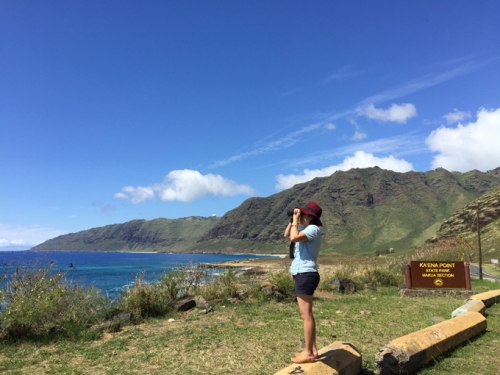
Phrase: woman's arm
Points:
(287, 230)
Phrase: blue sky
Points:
(114, 111)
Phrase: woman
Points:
(304, 269)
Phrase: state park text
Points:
(429, 274)
(437, 269)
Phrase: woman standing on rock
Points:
(304, 270)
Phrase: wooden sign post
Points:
(437, 275)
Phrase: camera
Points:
(289, 213)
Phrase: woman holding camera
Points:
(304, 270)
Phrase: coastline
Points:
(268, 264)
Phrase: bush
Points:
(283, 282)
(35, 300)
(145, 300)
(349, 271)
(174, 284)
(383, 276)
(325, 285)
(223, 287)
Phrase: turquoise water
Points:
(110, 272)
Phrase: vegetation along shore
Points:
(249, 324)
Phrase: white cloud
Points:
(360, 159)
(186, 186)
(29, 236)
(456, 116)
(358, 135)
(396, 113)
(470, 146)
(330, 126)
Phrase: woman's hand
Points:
(295, 235)
(296, 216)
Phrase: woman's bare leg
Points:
(305, 307)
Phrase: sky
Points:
(114, 111)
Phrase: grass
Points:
(257, 337)
(490, 268)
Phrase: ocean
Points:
(110, 272)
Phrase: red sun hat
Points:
(312, 209)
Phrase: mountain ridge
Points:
(463, 223)
(364, 210)
(136, 235)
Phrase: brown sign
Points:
(437, 274)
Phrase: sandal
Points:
(302, 358)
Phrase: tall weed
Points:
(383, 276)
(222, 287)
(146, 300)
(362, 274)
(283, 282)
(154, 299)
(35, 300)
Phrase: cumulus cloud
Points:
(360, 159)
(456, 116)
(185, 186)
(470, 146)
(395, 113)
(29, 236)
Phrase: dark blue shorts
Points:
(306, 283)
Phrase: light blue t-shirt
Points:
(306, 253)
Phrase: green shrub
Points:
(146, 300)
(35, 301)
(383, 276)
(173, 284)
(283, 282)
(325, 285)
(222, 287)
(255, 291)
(349, 271)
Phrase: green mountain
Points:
(160, 235)
(363, 210)
(463, 223)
